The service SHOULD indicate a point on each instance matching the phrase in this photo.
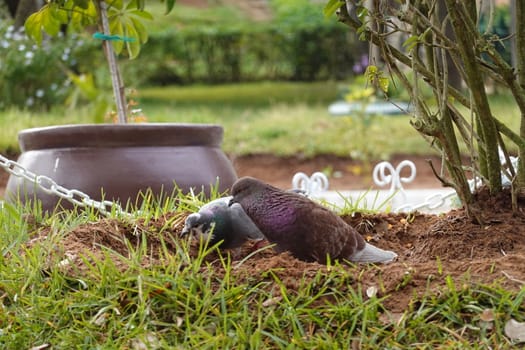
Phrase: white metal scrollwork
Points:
(385, 173)
(318, 182)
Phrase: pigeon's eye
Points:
(208, 227)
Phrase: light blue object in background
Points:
(343, 108)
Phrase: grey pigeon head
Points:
(296, 224)
(217, 221)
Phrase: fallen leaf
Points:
(146, 342)
(389, 318)
(486, 319)
(40, 347)
(272, 301)
(515, 331)
(487, 315)
(371, 291)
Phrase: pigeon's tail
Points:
(371, 254)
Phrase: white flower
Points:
(39, 93)
(4, 44)
(30, 101)
(21, 47)
(53, 86)
(29, 55)
(19, 37)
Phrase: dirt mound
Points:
(430, 248)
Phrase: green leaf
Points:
(59, 15)
(33, 26)
(370, 71)
(383, 84)
(116, 28)
(117, 4)
(83, 4)
(48, 19)
(332, 6)
(141, 30)
(85, 83)
(169, 6)
(411, 42)
(362, 12)
(81, 18)
(133, 47)
(142, 14)
(135, 4)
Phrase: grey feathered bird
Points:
(225, 223)
(308, 230)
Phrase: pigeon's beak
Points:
(232, 201)
(189, 224)
(185, 231)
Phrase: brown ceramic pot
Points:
(122, 160)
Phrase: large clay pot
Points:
(122, 160)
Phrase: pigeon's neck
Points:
(274, 214)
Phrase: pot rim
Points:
(121, 135)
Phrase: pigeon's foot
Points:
(371, 254)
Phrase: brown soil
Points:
(430, 247)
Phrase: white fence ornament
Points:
(385, 173)
(316, 183)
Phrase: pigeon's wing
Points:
(326, 233)
(219, 202)
(242, 224)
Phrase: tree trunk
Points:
(116, 78)
(454, 76)
(463, 29)
(11, 7)
(519, 12)
(24, 9)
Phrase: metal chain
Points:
(432, 202)
(49, 186)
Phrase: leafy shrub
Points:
(263, 52)
(30, 76)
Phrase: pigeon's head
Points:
(198, 225)
(246, 187)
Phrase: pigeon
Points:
(296, 224)
(225, 223)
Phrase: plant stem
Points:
(464, 31)
(116, 79)
(520, 54)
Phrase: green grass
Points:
(192, 17)
(184, 304)
(269, 117)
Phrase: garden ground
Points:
(430, 247)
